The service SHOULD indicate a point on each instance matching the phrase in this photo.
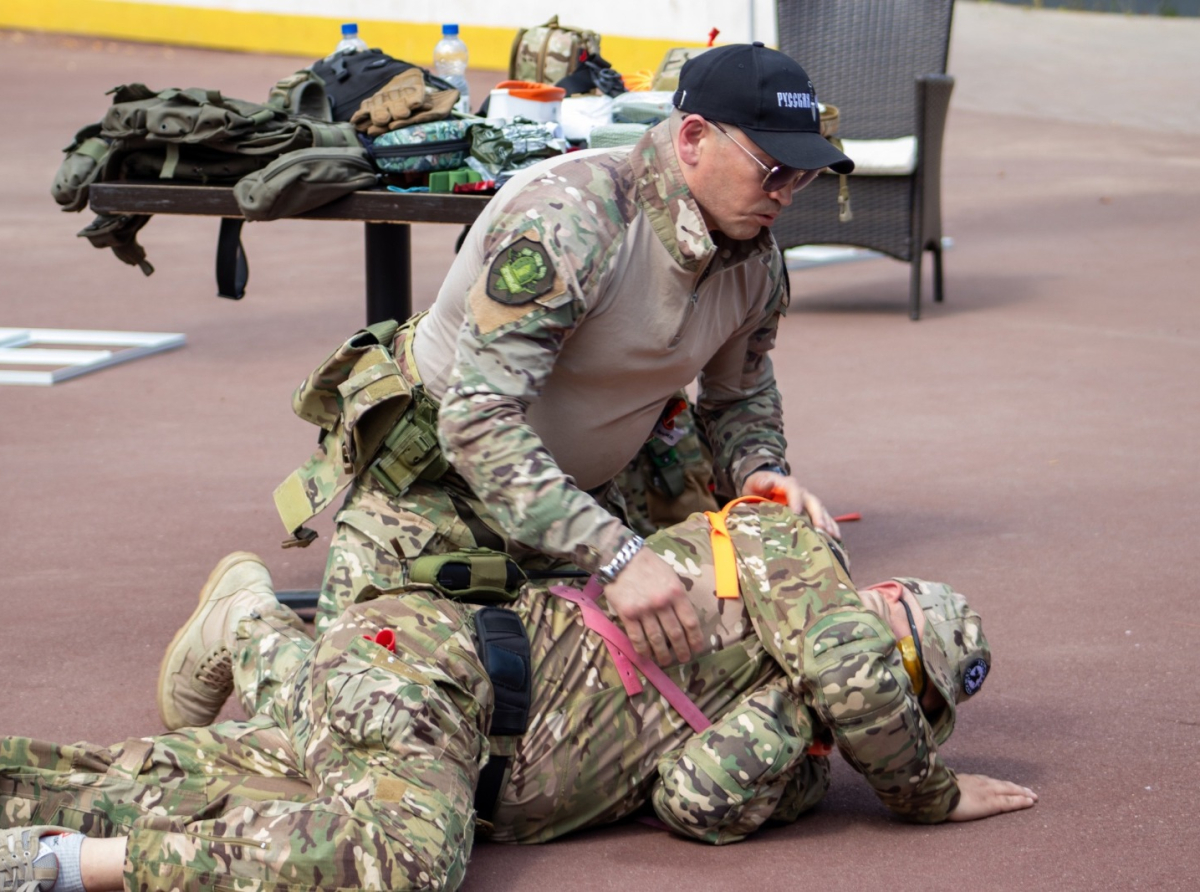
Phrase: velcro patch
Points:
(974, 676)
(390, 789)
(520, 273)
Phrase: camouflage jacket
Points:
(588, 293)
(795, 661)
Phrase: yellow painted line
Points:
(291, 35)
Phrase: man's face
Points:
(727, 182)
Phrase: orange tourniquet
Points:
(724, 559)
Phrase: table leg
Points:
(389, 271)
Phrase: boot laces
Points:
(216, 670)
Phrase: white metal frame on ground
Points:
(19, 347)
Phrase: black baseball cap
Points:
(766, 95)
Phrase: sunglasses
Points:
(910, 654)
(778, 177)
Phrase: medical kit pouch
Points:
(548, 53)
(435, 145)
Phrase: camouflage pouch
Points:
(421, 148)
(411, 450)
(360, 376)
(548, 53)
(376, 418)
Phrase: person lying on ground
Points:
(360, 767)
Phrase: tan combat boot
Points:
(24, 867)
(196, 677)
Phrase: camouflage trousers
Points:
(359, 772)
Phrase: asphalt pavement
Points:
(1032, 441)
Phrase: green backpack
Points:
(198, 136)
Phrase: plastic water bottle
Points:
(350, 42)
(450, 64)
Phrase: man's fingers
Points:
(637, 637)
(675, 634)
(820, 518)
(981, 796)
(660, 650)
(691, 625)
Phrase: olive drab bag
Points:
(548, 53)
(375, 420)
(196, 136)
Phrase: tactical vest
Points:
(376, 419)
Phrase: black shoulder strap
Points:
(233, 270)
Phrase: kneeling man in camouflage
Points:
(360, 767)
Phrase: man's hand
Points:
(655, 610)
(982, 797)
(768, 484)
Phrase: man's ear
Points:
(891, 590)
(690, 139)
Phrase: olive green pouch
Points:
(475, 575)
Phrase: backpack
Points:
(548, 53)
(192, 136)
(349, 78)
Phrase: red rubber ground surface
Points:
(1032, 440)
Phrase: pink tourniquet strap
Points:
(625, 657)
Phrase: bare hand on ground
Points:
(982, 797)
(655, 610)
(799, 499)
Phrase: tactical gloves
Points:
(403, 102)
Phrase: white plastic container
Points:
(536, 102)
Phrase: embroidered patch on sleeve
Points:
(520, 273)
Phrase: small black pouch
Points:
(504, 650)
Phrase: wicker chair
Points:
(883, 64)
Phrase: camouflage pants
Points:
(358, 774)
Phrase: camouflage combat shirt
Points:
(586, 295)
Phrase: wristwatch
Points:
(624, 555)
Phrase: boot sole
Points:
(166, 708)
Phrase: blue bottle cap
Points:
(449, 30)
(349, 28)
